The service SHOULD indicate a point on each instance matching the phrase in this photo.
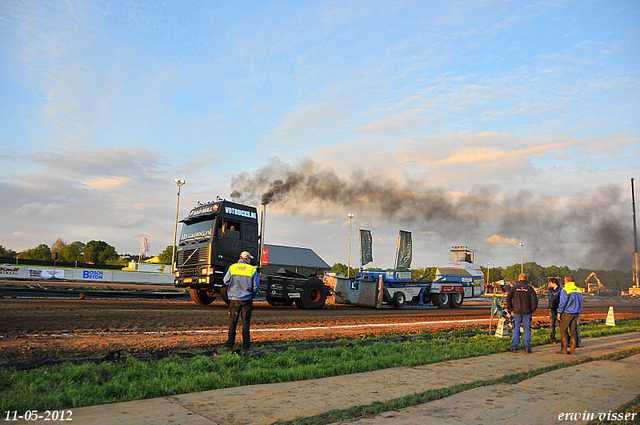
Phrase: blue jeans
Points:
(525, 321)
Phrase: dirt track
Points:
(36, 328)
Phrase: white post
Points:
(349, 260)
(179, 182)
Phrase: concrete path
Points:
(594, 387)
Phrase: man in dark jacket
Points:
(522, 301)
(243, 285)
(554, 300)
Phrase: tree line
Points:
(537, 275)
(92, 252)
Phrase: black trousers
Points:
(553, 315)
(240, 310)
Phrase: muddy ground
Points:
(75, 328)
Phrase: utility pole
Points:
(179, 182)
(349, 260)
(636, 284)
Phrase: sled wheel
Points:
(442, 300)
(399, 299)
(456, 299)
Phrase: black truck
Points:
(212, 238)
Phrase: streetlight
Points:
(488, 270)
(521, 257)
(179, 182)
(349, 261)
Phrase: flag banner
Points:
(404, 250)
(366, 253)
(146, 248)
(496, 308)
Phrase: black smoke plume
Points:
(551, 228)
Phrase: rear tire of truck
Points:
(223, 294)
(279, 302)
(314, 295)
(201, 296)
(456, 300)
(399, 299)
(442, 300)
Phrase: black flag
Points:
(366, 252)
(404, 250)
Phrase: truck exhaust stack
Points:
(263, 215)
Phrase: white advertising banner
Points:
(46, 273)
(12, 271)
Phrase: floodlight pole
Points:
(635, 238)
(349, 260)
(521, 257)
(179, 182)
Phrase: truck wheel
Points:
(456, 300)
(279, 302)
(314, 295)
(223, 294)
(399, 299)
(201, 296)
(442, 300)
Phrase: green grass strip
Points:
(376, 408)
(627, 409)
(65, 386)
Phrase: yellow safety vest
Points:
(242, 269)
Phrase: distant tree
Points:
(73, 252)
(166, 256)
(100, 252)
(58, 246)
(41, 252)
(7, 253)
(430, 272)
(493, 274)
(342, 268)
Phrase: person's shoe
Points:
(527, 350)
(514, 350)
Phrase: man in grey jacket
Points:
(243, 285)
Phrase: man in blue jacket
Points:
(554, 301)
(569, 310)
(243, 284)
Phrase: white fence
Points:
(85, 275)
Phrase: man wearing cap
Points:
(242, 286)
(522, 301)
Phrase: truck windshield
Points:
(461, 256)
(197, 230)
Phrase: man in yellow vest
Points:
(243, 285)
(569, 311)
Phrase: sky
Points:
(477, 123)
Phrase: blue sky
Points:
(478, 123)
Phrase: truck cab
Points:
(462, 268)
(213, 236)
